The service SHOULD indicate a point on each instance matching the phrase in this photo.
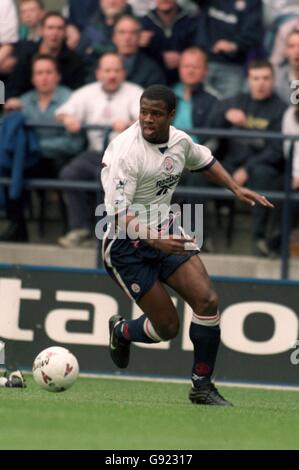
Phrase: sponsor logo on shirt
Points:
(168, 183)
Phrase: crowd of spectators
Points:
(232, 64)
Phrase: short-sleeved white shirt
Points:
(136, 172)
(8, 22)
(94, 106)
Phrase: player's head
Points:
(157, 109)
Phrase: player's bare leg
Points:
(160, 322)
(191, 281)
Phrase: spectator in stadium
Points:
(140, 68)
(256, 162)
(167, 31)
(31, 14)
(229, 31)
(96, 38)
(277, 14)
(143, 7)
(195, 102)
(57, 146)
(53, 43)
(290, 125)
(111, 101)
(287, 73)
(195, 99)
(8, 36)
(275, 10)
(278, 52)
(79, 14)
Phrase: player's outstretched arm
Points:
(217, 174)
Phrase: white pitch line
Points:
(289, 388)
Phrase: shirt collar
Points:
(53, 100)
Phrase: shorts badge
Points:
(135, 288)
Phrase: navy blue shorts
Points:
(136, 266)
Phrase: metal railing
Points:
(287, 196)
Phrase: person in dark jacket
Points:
(229, 30)
(79, 16)
(80, 13)
(256, 162)
(140, 68)
(167, 31)
(195, 99)
(55, 147)
(96, 38)
(195, 102)
(53, 43)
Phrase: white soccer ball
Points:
(55, 369)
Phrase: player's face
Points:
(155, 120)
(260, 83)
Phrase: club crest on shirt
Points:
(169, 164)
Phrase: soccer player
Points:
(142, 166)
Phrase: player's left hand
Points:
(251, 197)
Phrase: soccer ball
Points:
(55, 369)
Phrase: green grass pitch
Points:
(119, 414)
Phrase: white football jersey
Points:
(141, 177)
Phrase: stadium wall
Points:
(40, 307)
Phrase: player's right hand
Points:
(171, 246)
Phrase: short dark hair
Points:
(56, 14)
(160, 93)
(40, 3)
(126, 17)
(260, 64)
(48, 57)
